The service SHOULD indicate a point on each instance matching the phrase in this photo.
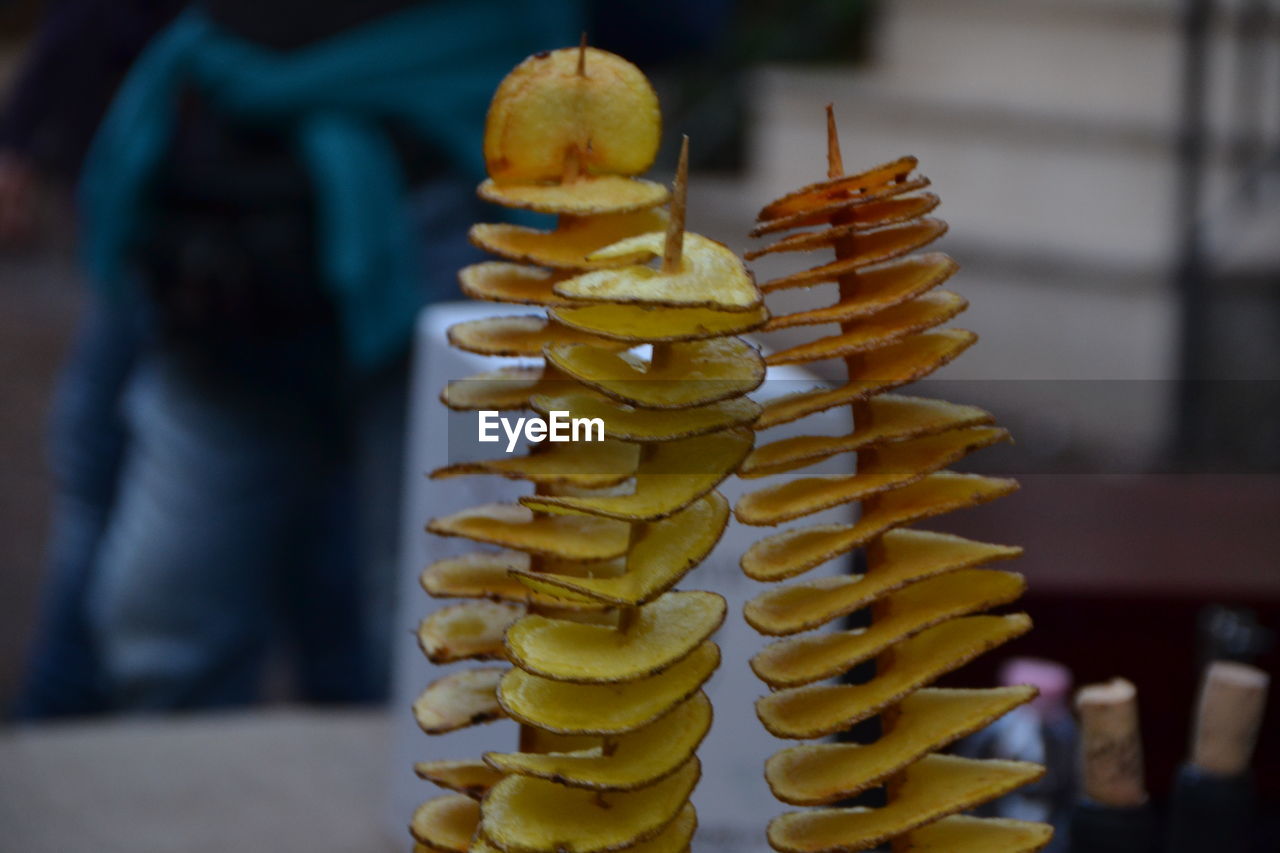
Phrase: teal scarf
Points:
(432, 69)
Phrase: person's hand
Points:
(17, 200)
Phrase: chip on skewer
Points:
(470, 777)
(513, 526)
(469, 631)
(649, 425)
(446, 823)
(458, 700)
(574, 238)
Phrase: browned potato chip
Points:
(645, 324)
(504, 389)
(446, 823)
(574, 238)
(458, 700)
(514, 526)
(649, 425)
(487, 575)
(674, 839)
(518, 336)
(467, 631)
(818, 710)
(591, 464)
(822, 192)
(470, 777)
(964, 834)
(870, 247)
(932, 788)
(590, 195)
(889, 203)
(498, 281)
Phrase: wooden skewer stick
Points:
(1228, 716)
(673, 248)
(582, 55)
(1111, 744)
(835, 163)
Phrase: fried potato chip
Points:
(673, 475)
(878, 288)
(823, 192)
(674, 839)
(909, 556)
(582, 99)
(964, 834)
(891, 324)
(932, 788)
(888, 203)
(458, 700)
(818, 710)
(870, 247)
(467, 631)
(527, 815)
(470, 777)
(710, 276)
(605, 709)
(649, 425)
(574, 238)
(882, 369)
(590, 195)
(664, 631)
(893, 466)
(818, 774)
(644, 323)
(498, 281)
(694, 373)
(518, 336)
(796, 661)
(514, 526)
(504, 389)
(446, 823)
(591, 464)
(660, 555)
(487, 575)
(637, 759)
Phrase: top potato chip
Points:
(815, 195)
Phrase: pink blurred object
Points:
(1051, 678)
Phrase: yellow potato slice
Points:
(964, 834)
(498, 281)
(673, 475)
(887, 203)
(637, 760)
(507, 388)
(590, 195)
(933, 788)
(909, 556)
(870, 247)
(649, 425)
(527, 815)
(514, 526)
(574, 238)
(878, 288)
(518, 336)
(644, 323)
(893, 466)
(822, 192)
(891, 324)
(470, 777)
(883, 369)
(590, 464)
(695, 373)
(660, 555)
(458, 700)
(487, 575)
(817, 774)
(796, 661)
(467, 631)
(663, 632)
(446, 823)
(818, 710)
(710, 276)
(605, 709)
(674, 839)
(585, 99)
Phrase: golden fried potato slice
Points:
(673, 475)
(637, 759)
(710, 276)
(964, 834)
(507, 388)
(663, 632)
(574, 238)
(649, 425)
(660, 555)
(469, 776)
(654, 324)
(590, 195)
(823, 192)
(878, 288)
(514, 526)
(521, 335)
(458, 700)
(486, 574)
(585, 99)
(870, 247)
(817, 774)
(694, 373)
(605, 709)
(882, 369)
(818, 710)
(674, 839)
(909, 556)
(469, 631)
(893, 466)
(796, 661)
(891, 324)
(590, 464)
(446, 823)
(888, 203)
(498, 281)
(932, 788)
(523, 814)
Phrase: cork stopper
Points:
(1233, 697)
(1111, 744)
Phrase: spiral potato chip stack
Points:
(603, 664)
(926, 589)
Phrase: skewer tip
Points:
(673, 249)
(582, 55)
(835, 163)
